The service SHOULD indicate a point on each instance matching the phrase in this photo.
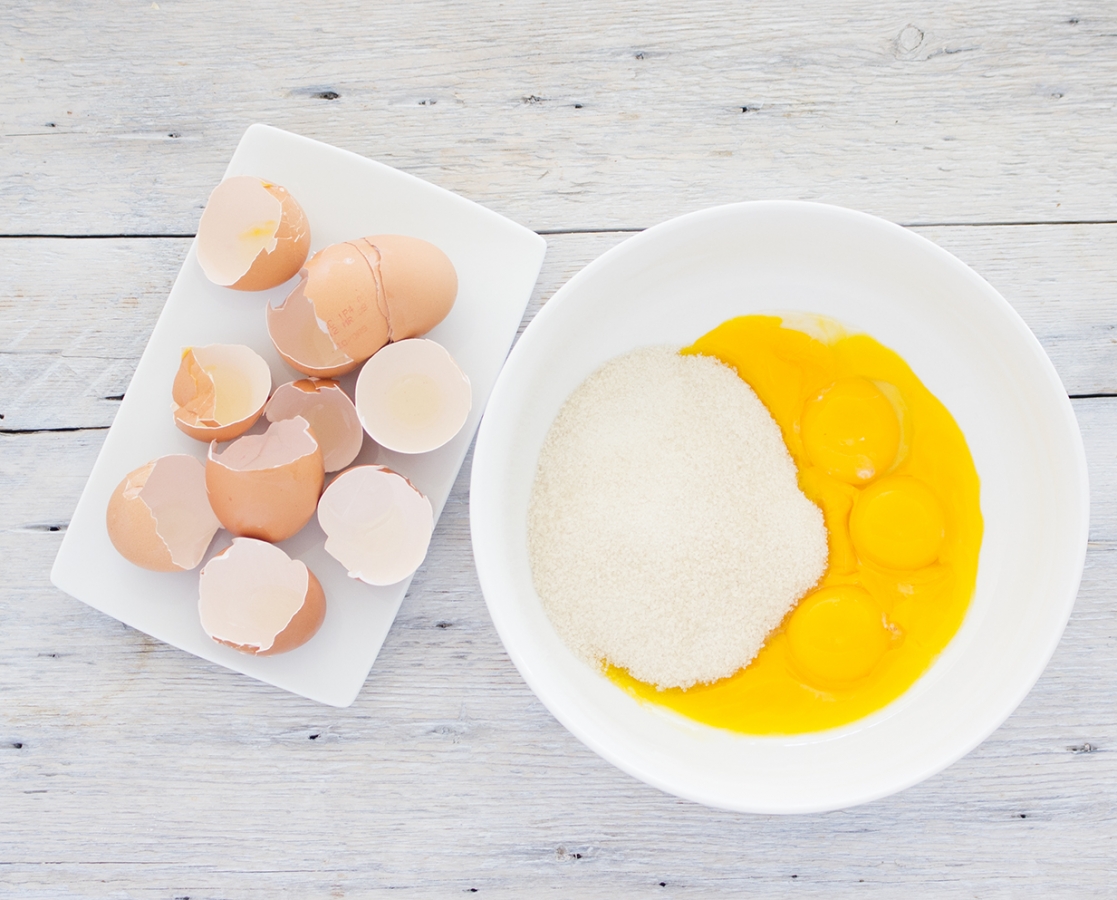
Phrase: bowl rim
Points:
(482, 477)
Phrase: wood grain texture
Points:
(145, 772)
(131, 769)
(75, 315)
(151, 762)
(569, 114)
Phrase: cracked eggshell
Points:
(331, 415)
(377, 524)
(418, 282)
(253, 235)
(411, 397)
(330, 322)
(353, 298)
(219, 391)
(267, 485)
(159, 518)
(254, 598)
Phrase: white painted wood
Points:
(129, 769)
(569, 114)
(80, 312)
(166, 776)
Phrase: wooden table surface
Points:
(131, 769)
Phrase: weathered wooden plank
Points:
(120, 118)
(143, 771)
(42, 475)
(465, 770)
(131, 769)
(74, 319)
(1063, 282)
(75, 315)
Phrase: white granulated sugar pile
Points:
(667, 531)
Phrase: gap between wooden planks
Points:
(570, 115)
(75, 315)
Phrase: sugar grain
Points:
(667, 532)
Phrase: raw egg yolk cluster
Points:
(890, 469)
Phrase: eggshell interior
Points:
(219, 391)
(159, 517)
(267, 485)
(302, 339)
(377, 524)
(255, 598)
(330, 322)
(412, 397)
(331, 415)
(253, 235)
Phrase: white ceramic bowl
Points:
(671, 284)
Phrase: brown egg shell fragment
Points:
(159, 517)
(343, 286)
(331, 415)
(267, 485)
(412, 397)
(219, 391)
(253, 235)
(341, 312)
(330, 322)
(377, 524)
(300, 341)
(292, 246)
(131, 525)
(254, 598)
(418, 283)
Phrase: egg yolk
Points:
(837, 634)
(890, 470)
(851, 430)
(897, 523)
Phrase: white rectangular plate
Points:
(345, 196)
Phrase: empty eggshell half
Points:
(377, 524)
(411, 396)
(354, 297)
(254, 598)
(219, 391)
(267, 485)
(252, 235)
(159, 518)
(331, 415)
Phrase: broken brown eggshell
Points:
(219, 391)
(331, 415)
(412, 397)
(267, 485)
(353, 298)
(377, 524)
(254, 598)
(253, 235)
(159, 518)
